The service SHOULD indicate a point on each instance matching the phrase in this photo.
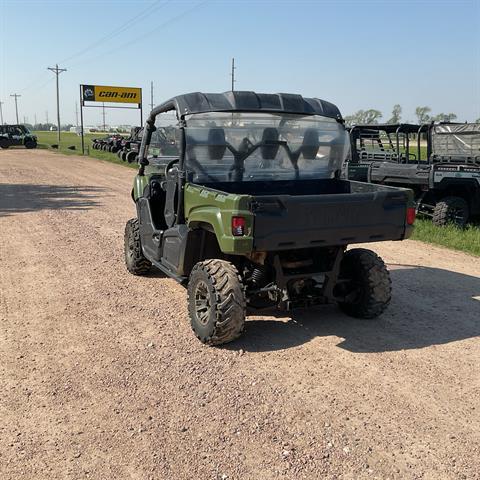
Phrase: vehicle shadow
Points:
(430, 306)
(20, 198)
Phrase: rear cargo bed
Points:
(367, 213)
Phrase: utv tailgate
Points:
(369, 213)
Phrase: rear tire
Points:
(134, 259)
(451, 211)
(216, 302)
(366, 286)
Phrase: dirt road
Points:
(101, 377)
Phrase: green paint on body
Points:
(215, 209)
(141, 181)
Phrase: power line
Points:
(34, 82)
(16, 95)
(123, 27)
(141, 37)
(57, 71)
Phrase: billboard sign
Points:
(102, 93)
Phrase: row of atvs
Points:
(126, 148)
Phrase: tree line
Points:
(423, 115)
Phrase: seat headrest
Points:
(310, 144)
(216, 143)
(269, 152)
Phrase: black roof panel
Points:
(243, 101)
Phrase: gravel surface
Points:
(101, 377)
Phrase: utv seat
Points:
(310, 144)
(211, 151)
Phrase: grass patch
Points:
(68, 139)
(465, 240)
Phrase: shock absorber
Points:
(258, 275)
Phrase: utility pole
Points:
(1, 113)
(76, 114)
(151, 96)
(35, 118)
(103, 115)
(16, 95)
(233, 74)
(57, 71)
(46, 115)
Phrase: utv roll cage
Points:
(392, 142)
(232, 102)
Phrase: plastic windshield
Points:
(223, 147)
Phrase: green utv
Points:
(251, 212)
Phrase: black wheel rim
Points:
(202, 303)
(457, 216)
(349, 290)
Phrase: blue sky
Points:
(357, 54)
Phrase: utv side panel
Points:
(151, 237)
(403, 174)
(140, 182)
(204, 206)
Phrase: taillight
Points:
(411, 215)
(238, 226)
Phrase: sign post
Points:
(107, 94)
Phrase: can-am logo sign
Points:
(100, 93)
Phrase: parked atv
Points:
(17, 135)
(251, 213)
(112, 143)
(131, 144)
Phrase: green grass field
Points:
(467, 240)
(47, 139)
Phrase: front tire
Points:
(131, 156)
(365, 284)
(135, 261)
(451, 211)
(216, 302)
